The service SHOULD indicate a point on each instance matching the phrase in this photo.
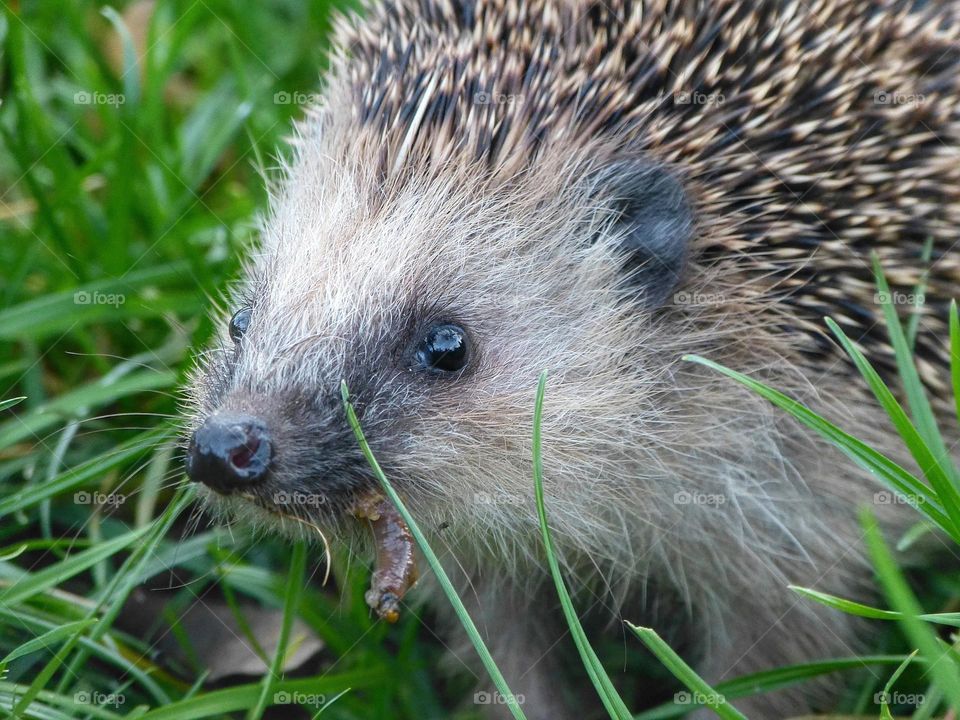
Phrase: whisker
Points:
(323, 537)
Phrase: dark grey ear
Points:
(654, 220)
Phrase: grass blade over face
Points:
(866, 457)
(601, 681)
(934, 467)
(445, 584)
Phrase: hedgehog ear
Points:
(654, 221)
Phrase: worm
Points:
(395, 570)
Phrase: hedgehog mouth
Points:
(396, 570)
(297, 505)
(276, 511)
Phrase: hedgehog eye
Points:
(445, 348)
(239, 324)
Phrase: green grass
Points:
(118, 222)
(934, 492)
(130, 173)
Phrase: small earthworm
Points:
(395, 571)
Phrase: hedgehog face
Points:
(439, 306)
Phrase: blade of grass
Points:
(854, 608)
(433, 561)
(114, 596)
(7, 404)
(295, 583)
(885, 713)
(770, 680)
(331, 701)
(863, 455)
(31, 424)
(240, 697)
(110, 652)
(940, 666)
(919, 293)
(57, 311)
(930, 465)
(598, 676)
(955, 356)
(914, 534)
(131, 71)
(686, 674)
(70, 703)
(913, 387)
(75, 477)
(240, 618)
(34, 583)
(42, 642)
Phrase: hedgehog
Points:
(486, 189)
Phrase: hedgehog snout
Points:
(230, 452)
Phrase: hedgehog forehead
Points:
(350, 241)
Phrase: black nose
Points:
(229, 452)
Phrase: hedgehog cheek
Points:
(654, 224)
